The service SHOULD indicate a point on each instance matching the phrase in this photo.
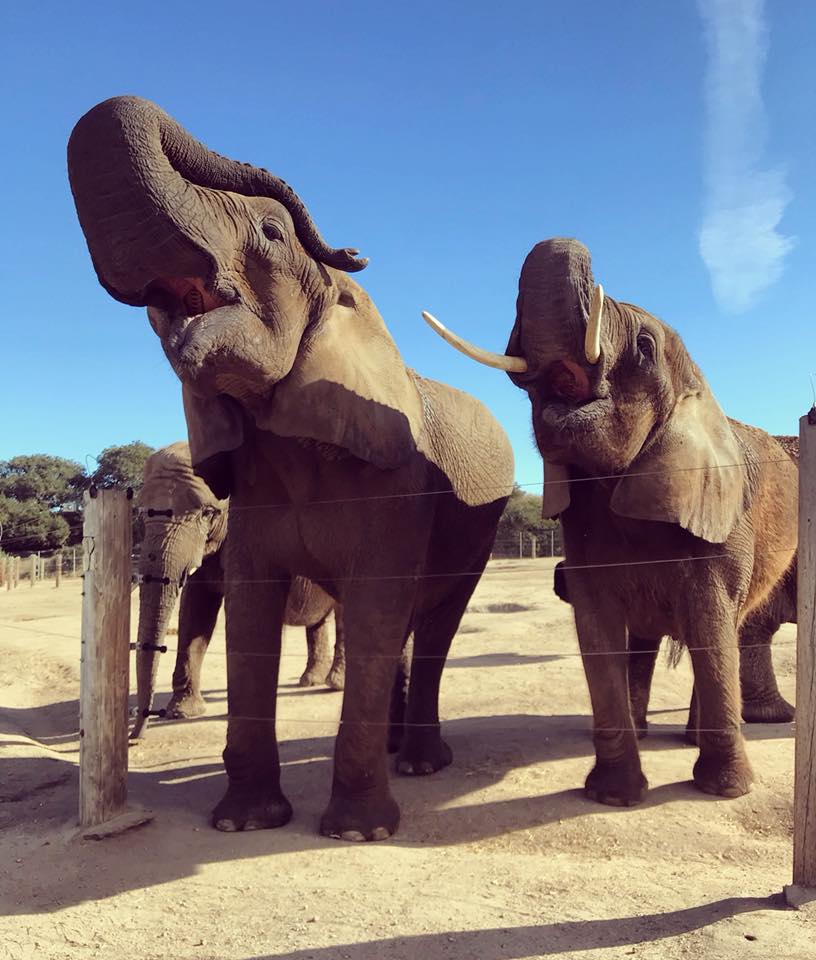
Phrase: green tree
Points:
(50, 481)
(523, 515)
(121, 466)
(30, 525)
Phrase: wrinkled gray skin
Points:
(383, 487)
(761, 700)
(652, 471)
(184, 548)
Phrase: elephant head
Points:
(184, 523)
(615, 394)
(256, 314)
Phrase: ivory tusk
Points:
(592, 340)
(498, 360)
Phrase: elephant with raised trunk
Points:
(342, 465)
(185, 528)
(677, 521)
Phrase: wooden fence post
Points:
(58, 569)
(73, 561)
(105, 663)
(803, 888)
(33, 568)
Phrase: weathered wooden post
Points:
(58, 569)
(33, 568)
(534, 545)
(73, 561)
(105, 662)
(521, 544)
(803, 889)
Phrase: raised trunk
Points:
(156, 604)
(136, 177)
(555, 292)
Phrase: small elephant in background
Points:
(185, 529)
(761, 700)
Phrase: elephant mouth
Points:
(181, 311)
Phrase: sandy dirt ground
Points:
(498, 857)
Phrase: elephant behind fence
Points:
(185, 531)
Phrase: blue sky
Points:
(442, 139)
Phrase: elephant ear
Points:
(693, 474)
(214, 428)
(349, 387)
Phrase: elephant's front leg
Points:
(200, 602)
(722, 766)
(254, 622)
(361, 805)
(616, 778)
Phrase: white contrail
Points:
(744, 202)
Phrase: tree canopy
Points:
(121, 466)
(41, 495)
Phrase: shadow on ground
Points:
(543, 940)
(39, 789)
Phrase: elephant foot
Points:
(336, 678)
(616, 785)
(313, 676)
(373, 818)
(774, 709)
(723, 776)
(185, 706)
(419, 756)
(251, 808)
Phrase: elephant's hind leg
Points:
(423, 750)
(642, 658)
(318, 662)
(761, 700)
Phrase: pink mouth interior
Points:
(569, 381)
(192, 295)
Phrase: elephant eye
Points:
(646, 346)
(272, 231)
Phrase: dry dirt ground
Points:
(498, 857)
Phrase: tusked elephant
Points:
(677, 521)
(341, 464)
(185, 528)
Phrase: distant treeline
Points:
(41, 502)
(41, 496)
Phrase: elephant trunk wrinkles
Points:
(156, 603)
(134, 174)
(555, 293)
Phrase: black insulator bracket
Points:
(151, 646)
(159, 513)
(154, 713)
(149, 578)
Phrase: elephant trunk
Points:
(556, 289)
(135, 174)
(156, 603)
